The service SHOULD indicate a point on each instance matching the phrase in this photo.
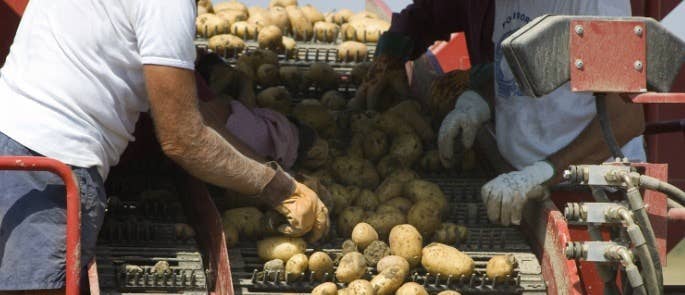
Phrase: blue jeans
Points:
(33, 222)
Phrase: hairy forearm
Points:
(627, 122)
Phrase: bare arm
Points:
(199, 149)
(627, 121)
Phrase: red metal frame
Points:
(73, 255)
(655, 97)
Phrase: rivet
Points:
(638, 30)
(579, 64)
(638, 65)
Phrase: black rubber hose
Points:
(670, 190)
(652, 272)
(602, 115)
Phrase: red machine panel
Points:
(598, 51)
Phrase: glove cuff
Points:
(393, 44)
(280, 187)
(470, 101)
(542, 171)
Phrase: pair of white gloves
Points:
(504, 196)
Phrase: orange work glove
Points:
(305, 213)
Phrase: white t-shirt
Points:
(530, 129)
(72, 86)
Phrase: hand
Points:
(469, 113)
(385, 84)
(505, 195)
(305, 213)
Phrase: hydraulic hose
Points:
(650, 274)
(651, 265)
(674, 193)
(602, 115)
(623, 255)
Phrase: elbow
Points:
(174, 149)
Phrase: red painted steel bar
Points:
(655, 97)
(73, 263)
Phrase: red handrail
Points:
(73, 263)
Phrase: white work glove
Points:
(505, 195)
(469, 113)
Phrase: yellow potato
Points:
(244, 30)
(226, 45)
(430, 162)
(450, 233)
(406, 241)
(407, 148)
(210, 25)
(352, 267)
(205, 4)
(355, 171)
(367, 200)
(231, 233)
(320, 264)
(322, 76)
(232, 16)
(361, 287)
(401, 204)
(385, 208)
(449, 292)
(334, 100)
(312, 14)
(425, 216)
(279, 18)
(362, 16)
(411, 288)
(275, 98)
(375, 252)
(363, 234)
(389, 280)
(230, 5)
(348, 218)
(389, 189)
(247, 221)
(296, 266)
(289, 47)
(446, 260)
(327, 288)
(302, 29)
(373, 30)
(500, 267)
(282, 3)
(352, 51)
(388, 164)
(326, 32)
(422, 190)
(280, 248)
(394, 261)
(270, 37)
(384, 222)
(342, 16)
(375, 144)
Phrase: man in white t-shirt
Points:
(539, 136)
(77, 77)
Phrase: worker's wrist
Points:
(394, 45)
(555, 173)
(279, 188)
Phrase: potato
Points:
(315, 116)
(289, 47)
(385, 208)
(317, 155)
(268, 76)
(340, 197)
(363, 234)
(327, 288)
(232, 16)
(407, 148)
(276, 98)
(259, 17)
(246, 219)
(389, 189)
(348, 218)
(363, 15)
(361, 287)
(226, 45)
(296, 266)
(393, 125)
(334, 100)
(362, 122)
(403, 175)
(348, 246)
(375, 144)
(279, 18)
(282, 3)
(384, 222)
(244, 30)
(446, 260)
(355, 171)
(389, 280)
(322, 76)
(366, 200)
(401, 204)
(359, 71)
(342, 16)
(302, 28)
(450, 234)
(273, 267)
(393, 261)
(324, 175)
(425, 216)
(410, 111)
(406, 241)
(231, 233)
(280, 248)
(351, 51)
(373, 29)
(375, 252)
(500, 267)
(206, 4)
(352, 267)
(325, 32)
(312, 14)
(422, 190)
(292, 78)
(210, 25)
(411, 288)
(203, 10)
(387, 164)
(356, 147)
(320, 264)
(230, 5)
(270, 37)
(430, 162)
(183, 231)
(449, 292)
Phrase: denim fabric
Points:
(33, 222)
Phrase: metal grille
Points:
(485, 241)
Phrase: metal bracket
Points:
(593, 251)
(591, 212)
(595, 174)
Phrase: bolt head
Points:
(638, 65)
(638, 30)
(579, 64)
(567, 174)
(579, 29)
